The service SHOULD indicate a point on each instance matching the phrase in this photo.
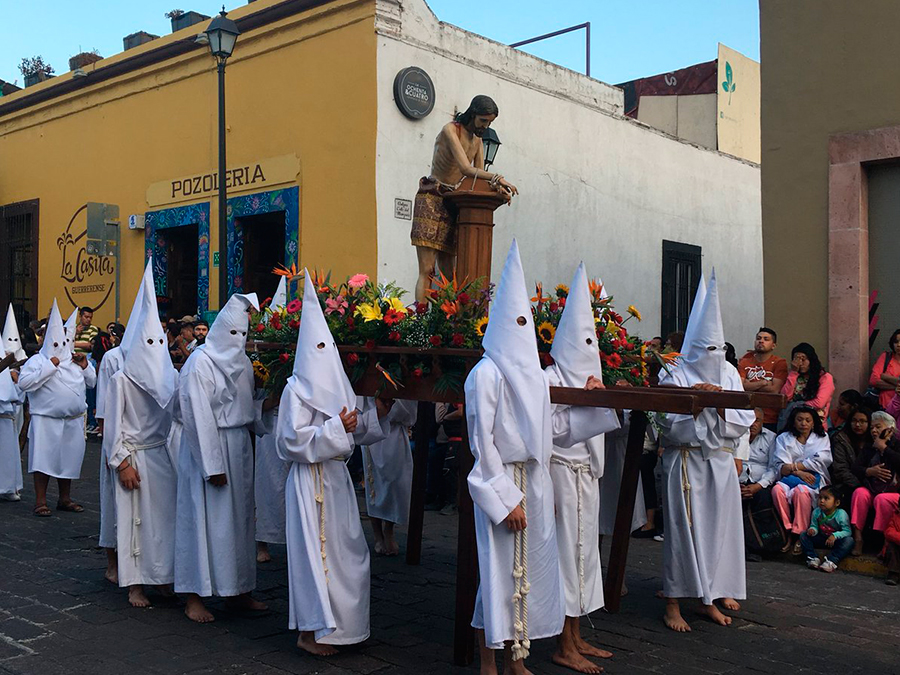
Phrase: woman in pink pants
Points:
(802, 456)
(877, 467)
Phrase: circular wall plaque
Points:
(414, 93)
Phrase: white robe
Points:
(334, 604)
(611, 482)
(576, 476)
(215, 550)
(703, 555)
(11, 398)
(56, 398)
(137, 429)
(269, 481)
(110, 364)
(498, 448)
(389, 466)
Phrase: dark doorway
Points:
(263, 236)
(181, 273)
(18, 260)
(680, 278)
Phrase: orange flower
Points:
(450, 308)
(539, 294)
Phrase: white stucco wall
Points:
(594, 185)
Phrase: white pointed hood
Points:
(71, 326)
(147, 360)
(136, 306)
(227, 337)
(55, 337)
(603, 293)
(12, 342)
(511, 344)
(693, 318)
(575, 349)
(319, 378)
(704, 356)
(280, 297)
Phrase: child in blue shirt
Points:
(828, 527)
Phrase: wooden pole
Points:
(618, 554)
(422, 437)
(475, 225)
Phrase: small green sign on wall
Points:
(215, 258)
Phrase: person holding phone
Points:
(878, 468)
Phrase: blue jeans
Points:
(841, 550)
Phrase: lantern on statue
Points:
(491, 145)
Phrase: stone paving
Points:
(58, 615)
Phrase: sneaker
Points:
(659, 537)
(644, 534)
(11, 497)
(828, 566)
(813, 563)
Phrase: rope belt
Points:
(578, 470)
(7, 416)
(370, 475)
(135, 499)
(685, 478)
(521, 645)
(319, 491)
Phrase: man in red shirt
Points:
(762, 371)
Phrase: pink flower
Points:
(337, 304)
(358, 280)
(293, 306)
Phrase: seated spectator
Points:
(886, 372)
(808, 383)
(829, 527)
(758, 471)
(848, 403)
(762, 371)
(891, 551)
(674, 342)
(877, 468)
(846, 445)
(802, 457)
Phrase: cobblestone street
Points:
(59, 615)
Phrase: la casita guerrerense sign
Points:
(87, 280)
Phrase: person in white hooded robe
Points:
(512, 430)
(576, 473)
(703, 552)
(55, 381)
(318, 425)
(138, 410)
(11, 400)
(388, 467)
(110, 364)
(271, 472)
(215, 552)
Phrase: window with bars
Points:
(680, 278)
(18, 259)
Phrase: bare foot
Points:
(624, 589)
(195, 610)
(575, 661)
(674, 620)
(516, 668)
(262, 552)
(587, 649)
(731, 604)
(391, 547)
(245, 603)
(713, 614)
(112, 574)
(307, 643)
(379, 547)
(137, 598)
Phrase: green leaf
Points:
(729, 74)
(733, 86)
(725, 87)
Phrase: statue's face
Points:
(480, 123)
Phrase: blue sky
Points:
(629, 39)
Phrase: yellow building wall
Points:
(737, 126)
(305, 85)
(826, 70)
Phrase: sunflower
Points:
(260, 371)
(562, 291)
(481, 326)
(546, 332)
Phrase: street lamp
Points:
(222, 33)
(491, 145)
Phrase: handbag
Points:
(872, 396)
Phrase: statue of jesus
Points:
(458, 154)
